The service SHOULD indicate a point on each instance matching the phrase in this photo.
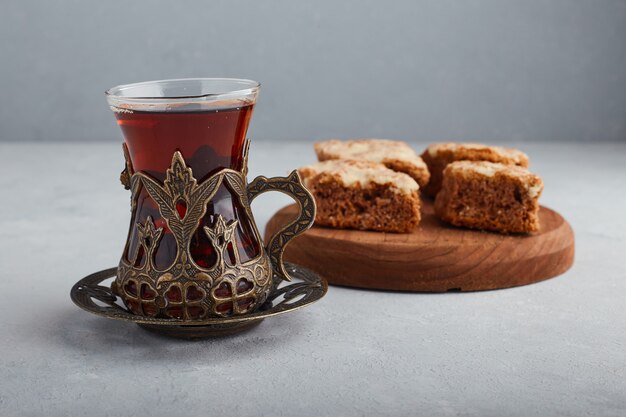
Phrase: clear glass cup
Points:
(179, 134)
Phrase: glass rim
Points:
(251, 88)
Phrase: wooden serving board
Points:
(435, 257)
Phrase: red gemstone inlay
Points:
(194, 294)
(149, 309)
(181, 208)
(225, 308)
(223, 291)
(131, 288)
(195, 312)
(147, 293)
(244, 305)
(174, 295)
(243, 285)
(175, 312)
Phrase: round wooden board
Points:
(435, 257)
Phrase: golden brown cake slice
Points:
(489, 196)
(362, 195)
(437, 156)
(395, 155)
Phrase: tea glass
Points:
(193, 249)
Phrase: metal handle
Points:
(293, 187)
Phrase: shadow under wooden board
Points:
(435, 257)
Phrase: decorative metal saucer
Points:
(305, 288)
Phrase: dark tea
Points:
(193, 250)
(209, 140)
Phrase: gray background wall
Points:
(493, 70)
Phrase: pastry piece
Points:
(489, 196)
(395, 155)
(439, 155)
(362, 195)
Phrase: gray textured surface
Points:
(504, 70)
(557, 348)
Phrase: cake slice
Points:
(439, 155)
(395, 155)
(489, 196)
(362, 195)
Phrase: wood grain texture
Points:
(435, 257)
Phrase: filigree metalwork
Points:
(292, 186)
(185, 290)
(305, 288)
(128, 168)
(246, 153)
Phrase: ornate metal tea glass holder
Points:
(305, 288)
(186, 299)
